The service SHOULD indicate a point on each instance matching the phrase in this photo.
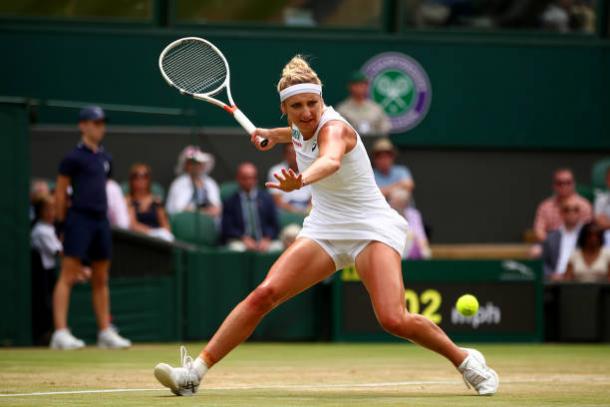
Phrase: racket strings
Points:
(192, 71)
(195, 67)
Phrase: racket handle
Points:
(248, 126)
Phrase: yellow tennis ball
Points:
(467, 305)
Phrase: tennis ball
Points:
(467, 305)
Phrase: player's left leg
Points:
(379, 267)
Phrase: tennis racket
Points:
(197, 68)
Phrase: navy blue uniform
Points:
(87, 230)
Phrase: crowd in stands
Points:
(248, 218)
(242, 215)
(550, 15)
(572, 233)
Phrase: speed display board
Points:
(509, 294)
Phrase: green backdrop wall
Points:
(15, 327)
(499, 92)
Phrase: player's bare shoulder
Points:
(338, 130)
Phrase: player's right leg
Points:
(301, 266)
(71, 269)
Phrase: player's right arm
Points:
(61, 197)
(275, 136)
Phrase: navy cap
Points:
(358, 76)
(91, 113)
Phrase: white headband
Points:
(300, 88)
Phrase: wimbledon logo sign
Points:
(401, 87)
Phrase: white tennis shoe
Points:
(64, 340)
(478, 375)
(184, 380)
(110, 339)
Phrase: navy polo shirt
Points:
(88, 170)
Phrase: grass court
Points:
(270, 374)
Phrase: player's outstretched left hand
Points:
(287, 181)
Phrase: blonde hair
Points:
(297, 71)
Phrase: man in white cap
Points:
(388, 175)
(193, 189)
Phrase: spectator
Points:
(560, 243)
(44, 238)
(590, 262)
(389, 176)
(118, 214)
(146, 212)
(367, 117)
(193, 189)
(289, 234)
(417, 242)
(602, 208)
(249, 218)
(39, 188)
(516, 13)
(556, 17)
(548, 213)
(86, 231)
(297, 201)
(583, 16)
(46, 247)
(569, 16)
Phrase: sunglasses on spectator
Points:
(140, 175)
(561, 182)
(567, 209)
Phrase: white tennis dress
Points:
(349, 210)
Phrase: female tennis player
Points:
(350, 224)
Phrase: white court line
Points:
(551, 379)
(54, 393)
(333, 386)
(246, 387)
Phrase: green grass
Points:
(311, 375)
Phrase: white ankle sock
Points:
(200, 367)
(462, 365)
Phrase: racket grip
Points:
(248, 126)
